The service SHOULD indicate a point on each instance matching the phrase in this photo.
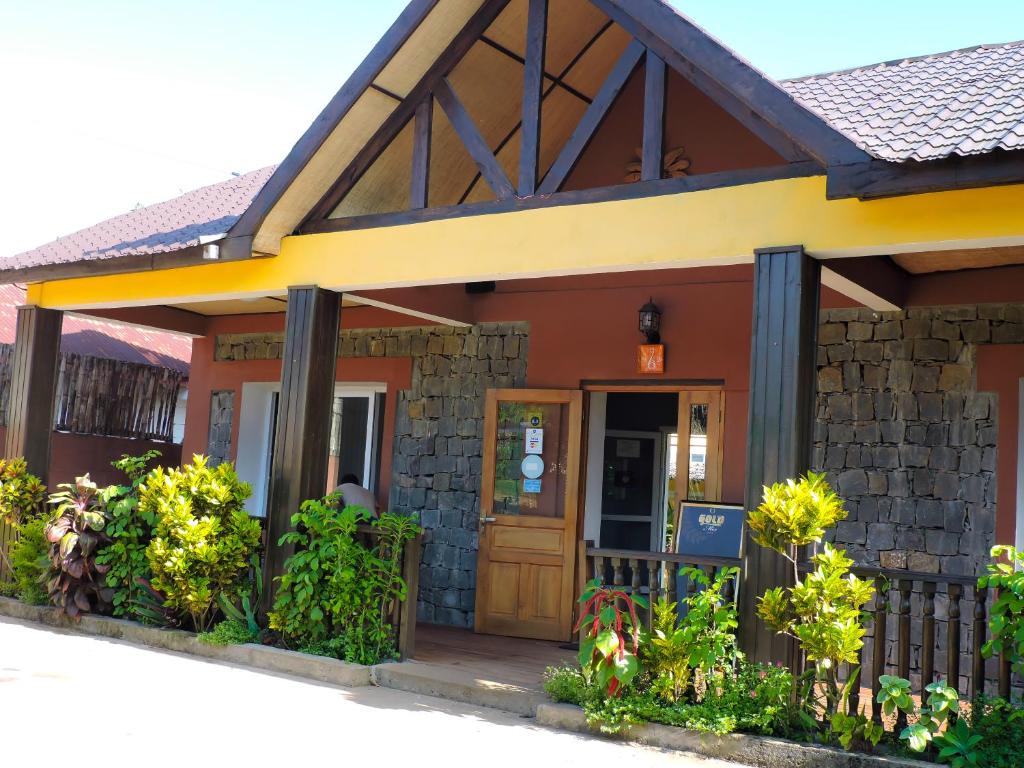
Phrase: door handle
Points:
(485, 520)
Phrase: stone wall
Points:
(905, 437)
(910, 444)
(222, 409)
(438, 443)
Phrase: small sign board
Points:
(534, 440)
(650, 358)
(705, 528)
(533, 467)
(531, 486)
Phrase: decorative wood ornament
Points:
(675, 165)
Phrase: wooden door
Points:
(524, 585)
(701, 421)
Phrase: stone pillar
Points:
(781, 417)
(302, 435)
(33, 387)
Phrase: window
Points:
(356, 428)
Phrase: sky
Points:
(109, 104)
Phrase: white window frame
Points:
(1019, 532)
(255, 420)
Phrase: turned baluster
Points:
(978, 667)
(928, 636)
(878, 650)
(953, 637)
(903, 641)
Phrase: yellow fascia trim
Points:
(719, 226)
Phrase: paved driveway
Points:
(84, 701)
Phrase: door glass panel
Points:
(697, 453)
(531, 479)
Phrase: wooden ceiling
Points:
(950, 261)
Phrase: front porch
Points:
(485, 670)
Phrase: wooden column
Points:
(781, 418)
(33, 387)
(301, 439)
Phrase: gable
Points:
(351, 161)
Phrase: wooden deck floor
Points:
(503, 660)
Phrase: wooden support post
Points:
(652, 160)
(533, 95)
(780, 418)
(301, 441)
(33, 387)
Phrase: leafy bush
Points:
(822, 611)
(336, 592)
(130, 529)
(608, 620)
(1000, 724)
(704, 641)
(76, 584)
(204, 540)
(1006, 618)
(22, 509)
(229, 632)
(754, 699)
(29, 562)
(22, 494)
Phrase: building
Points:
(439, 265)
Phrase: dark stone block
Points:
(924, 482)
(914, 455)
(926, 378)
(954, 514)
(868, 351)
(931, 349)
(937, 435)
(863, 409)
(875, 376)
(977, 331)
(853, 482)
(947, 485)
(929, 514)
(910, 538)
(899, 484)
(941, 542)
(881, 536)
(930, 406)
(888, 329)
(831, 333)
(943, 330)
(892, 431)
(943, 458)
(840, 407)
(859, 331)
(848, 532)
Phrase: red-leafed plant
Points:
(76, 584)
(611, 637)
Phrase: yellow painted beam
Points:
(719, 226)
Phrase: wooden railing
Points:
(651, 574)
(908, 600)
(403, 612)
(916, 617)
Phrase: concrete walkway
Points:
(99, 702)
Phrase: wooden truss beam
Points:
(627, 18)
(474, 142)
(654, 118)
(533, 95)
(422, 133)
(592, 119)
(398, 119)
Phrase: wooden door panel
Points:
(527, 537)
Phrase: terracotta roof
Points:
(160, 228)
(104, 338)
(965, 102)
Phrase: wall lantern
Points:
(650, 322)
(650, 357)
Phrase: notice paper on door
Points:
(535, 441)
(627, 449)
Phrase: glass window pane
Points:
(518, 488)
(697, 466)
(349, 416)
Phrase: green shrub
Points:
(566, 685)
(822, 611)
(1006, 618)
(335, 587)
(22, 494)
(130, 529)
(229, 632)
(204, 540)
(1000, 724)
(29, 562)
(76, 581)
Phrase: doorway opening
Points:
(639, 469)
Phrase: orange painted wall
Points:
(209, 375)
(713, 139)
(1000, 369)
(72, 456)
